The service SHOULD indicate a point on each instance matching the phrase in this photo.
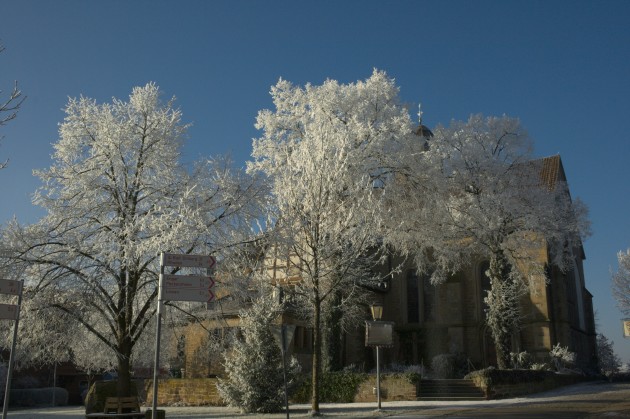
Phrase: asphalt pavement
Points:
(585, 400)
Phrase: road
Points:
(586, 400)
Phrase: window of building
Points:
(428, 298)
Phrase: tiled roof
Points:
(552, 170)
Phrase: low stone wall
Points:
(497, 384)
(392, 388)
(183, 392)
(500, 391)
(203, 391)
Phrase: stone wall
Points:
(392, 388)
(203, 391)
(183, 392)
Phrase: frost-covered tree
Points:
(115, 196)
(9, 105)
(330, 152)
(609, 362)
(621, 282)
(253, 364)
(479, 194)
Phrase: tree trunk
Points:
(317, 349)
(502, 344)
(503, 310)
(332, 340)
(124, 370)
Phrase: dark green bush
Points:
(334, 387)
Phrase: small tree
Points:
(621, 282)
(609, 362)
(253, 365)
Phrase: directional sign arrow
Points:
(187, 288)
(190, 261)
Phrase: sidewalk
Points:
(583, 393)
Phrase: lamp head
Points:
(377, 310)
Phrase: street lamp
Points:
(283, 334)
(377, 311)
(377, 314)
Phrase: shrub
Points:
(255, 381)
(335, 387)
(540, 366)
(520, 360)
(561, 356)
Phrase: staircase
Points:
(445, 390)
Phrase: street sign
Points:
(188, 261)
(283, 334)
(378, 333)
(8, 286)
(187, 288)
(8, 311)
(626, 328)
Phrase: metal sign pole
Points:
(156, 365)
(7, 388)
(284, 348)
(378, 378)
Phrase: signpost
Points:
(180, 288)
(10, 287)
(188, 261)
(10, 312)
(187, 288)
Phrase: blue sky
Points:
(562, 67)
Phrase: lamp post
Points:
(377, 314)
(283, 334)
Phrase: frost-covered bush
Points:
(520, 360)
(539, 366)
(561, 356)
(254, 381)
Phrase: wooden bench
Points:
(119, 407)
